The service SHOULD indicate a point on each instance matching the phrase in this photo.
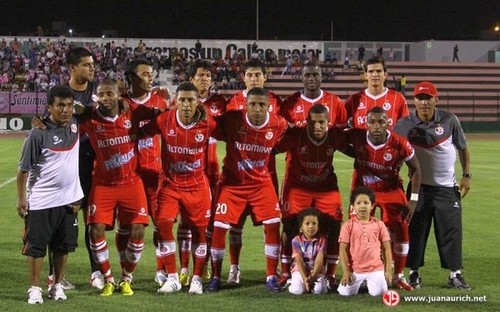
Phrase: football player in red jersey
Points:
(215, 104)
(255, 77)
(311, 182)
(376, 94)
(379, 154)
(295, 109)
(184, 185)
(139, 77)
(246, 181)
(117, 190)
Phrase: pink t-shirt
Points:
(365, 241)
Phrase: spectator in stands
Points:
(455, 54)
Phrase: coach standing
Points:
(435, 134)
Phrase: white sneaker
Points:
(97, 280)
(196, 288)
(234, 276)
(66, 285)
(57, 292)
(35, 295)
(160, 277)
(171, 285)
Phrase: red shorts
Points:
(233, 200)
(150, 179)
(391, 205)
(295, 200)
(194, 206)
(126, 202)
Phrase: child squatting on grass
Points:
(308, 253)
(361, 240)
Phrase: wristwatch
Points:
(467, 175)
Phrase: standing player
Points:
(184, 184)
(376, 94)
(139, 76)
(255, 77)
(379, 154)
(117, 190)
(437, 136)
(82, 69)
(295, 108)
(311, 182)
(201, 77)
(359, 104)
(246, 180)
(48, 193)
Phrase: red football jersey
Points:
(239, 100)
(248, 148)
(149, 149)
(378, 167)
(214, 105)
(309, 163)
(182, 150)
(113, 140)
(295, 108)
(358, 105)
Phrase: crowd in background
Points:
(38, 65)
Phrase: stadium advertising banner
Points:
(22, 102)
(15, 123)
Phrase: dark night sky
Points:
(390, 20)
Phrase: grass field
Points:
(481, 254)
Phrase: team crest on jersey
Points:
(199, 137)
(386, 106)
(387, 156)
(269, 135)
(240, 107)
(329, 152)
(94, 98)
(127, 124)
(214, 109)
(439, 130)
(56, 139)
(390, 121)
(74, 128)
(361, 105)
(171, 132)
(299, 109)
(143, 212)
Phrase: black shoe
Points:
(415, 280)
(458, 282)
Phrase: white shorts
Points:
(377, 285)
(297, 285)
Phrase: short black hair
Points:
(131, 67)
(310, 211)
(62, 91)
(187, 86)
(199, 64)
(375, 60)
(75, 55)
(362, 190)
(258, 91)
(318, 108)
(255, 63)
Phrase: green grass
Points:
(481, 258)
